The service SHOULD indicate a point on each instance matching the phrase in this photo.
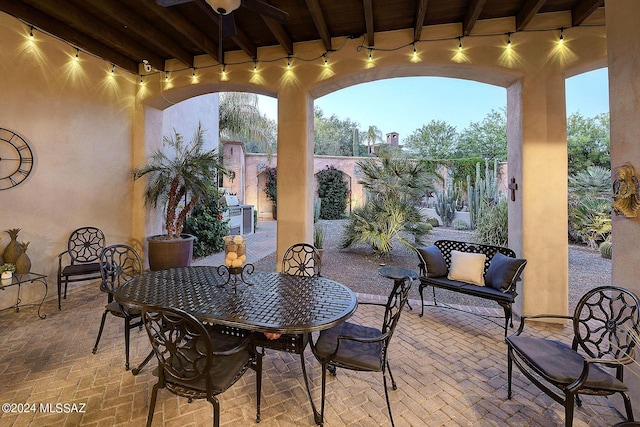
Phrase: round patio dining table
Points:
(261, 301)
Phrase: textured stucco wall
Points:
(77, 118)
(624, 94)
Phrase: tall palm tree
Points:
(240, 118)
(372, 136)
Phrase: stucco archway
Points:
(534, 80)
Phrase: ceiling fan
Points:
(226, 7)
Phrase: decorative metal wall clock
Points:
(16, 159)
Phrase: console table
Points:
(25, 279)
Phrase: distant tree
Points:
(435, 140)
(240, 119)
(486, 139)
(332, 135)
(372, 135)
(588, 142)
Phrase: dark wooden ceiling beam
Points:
(528, 11)
(583, 10)
(84, 22)
(368, 19)
(241, 39)
(278, 31)
(141, 28)
(320, 22)
(470, 19)
(180, 23)
(421, 12)
(60, 30)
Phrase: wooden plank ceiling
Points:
(126, 32)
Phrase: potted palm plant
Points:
(178, 176)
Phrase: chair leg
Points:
(393, 382)
(386, 395)
(420, 289)
(568, 409)
(509, 372)
(136, 371)
(627, 406)
(152, 403)
(59, 291)
(104, 317)
(216, 411)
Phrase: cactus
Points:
(605, 249)
(446, 202)
(485, 191)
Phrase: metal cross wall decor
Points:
(513, 187)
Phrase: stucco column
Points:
(623, 40)
(295, 169)
(537, 152)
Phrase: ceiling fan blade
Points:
(267, 10)
(228, 23)
(168, 3)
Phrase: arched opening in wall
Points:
(589, 170)
(452, 123)
(333, 188)
(266, 207)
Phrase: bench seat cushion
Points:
(560, 364)
(466, 288)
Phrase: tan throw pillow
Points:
(467, 267)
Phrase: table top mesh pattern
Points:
(275, 302)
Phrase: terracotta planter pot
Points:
(164, 253)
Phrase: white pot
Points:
(7, 274)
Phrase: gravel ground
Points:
(357, 267)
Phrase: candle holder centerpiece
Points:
(235, 261)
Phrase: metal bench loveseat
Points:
(479, 270)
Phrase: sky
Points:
(405, 104)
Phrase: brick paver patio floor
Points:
(450, 368)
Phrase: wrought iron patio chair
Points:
(362, 348)
(83, 252)
(194, 364)
(119, 263)
(603, 323)
(302, 259)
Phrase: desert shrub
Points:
(379, 221)
(590, 206)
(207, 224)
(590, 221)
(392, 184)
(271, 184)
(333, 190)
(459, 224)
(492, 226)
(433, 221)
(605, 249)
